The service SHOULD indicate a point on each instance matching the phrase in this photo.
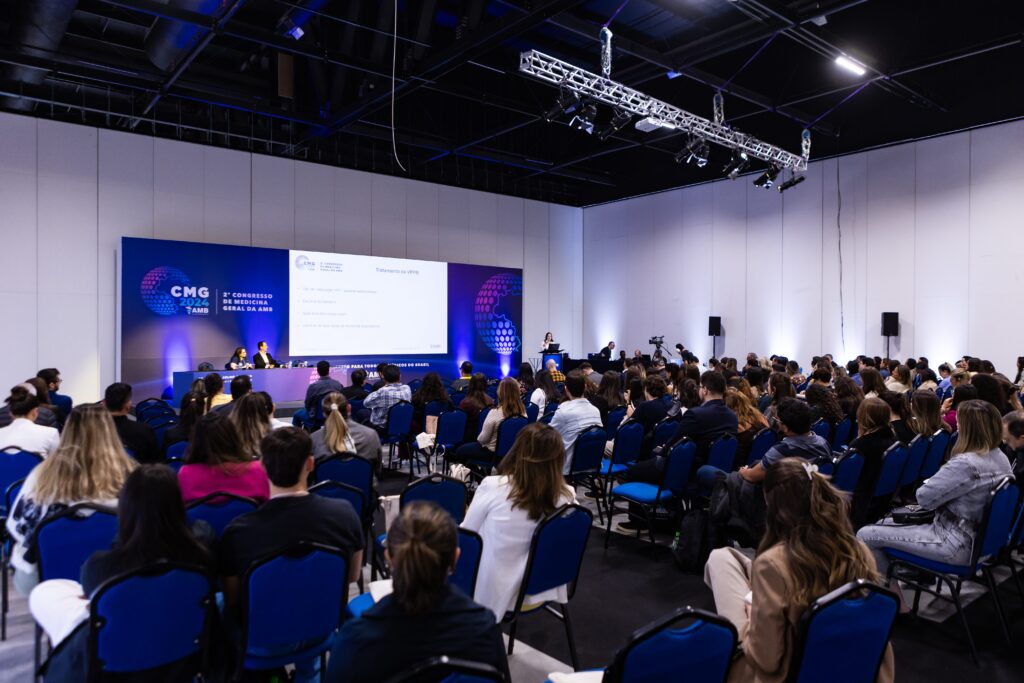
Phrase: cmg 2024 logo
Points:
(168, 291)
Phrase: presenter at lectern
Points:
(263, 359)
(549, 345)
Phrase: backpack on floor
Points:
(693, 548)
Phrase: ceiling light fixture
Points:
(736, 165)
(850, 65)
(620, 119)
(767, 179)
(565, 104)
(584, 120)
(792, 182)
(697, 152)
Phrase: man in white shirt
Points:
(23, 432)
(575, 415)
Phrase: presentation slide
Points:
(366, 305)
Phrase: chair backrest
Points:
(508, 430)
(294, 596)
(481, 418)
(149, 617)
(414, 385)
(348, 468)
(532, 411)
(762, 443)
(447, 493)
(841, 436)
(588, 452)
(628, 441)
(339, 491)
(615, 418)
(434, 408)
(556, 551)
(689, 640)
(451, 428)
(219, 509)
(458, 397)
(399, 419)
(722, 452)
(938, 444)
(471, 547)
(848, 470)
(153, 406)
(822, 429)
(679, 466)
(15, 464)
(64, 541)
(843, 635)
(916, 451)
(445, 669)
(177, 449)
(894, 460)
(663, 431)
(175, 464)
(11, 494)
(997, 521)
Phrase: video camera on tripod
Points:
(659, 343)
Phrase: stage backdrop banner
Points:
(184, 303)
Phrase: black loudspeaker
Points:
(890, 324)
(714, 326)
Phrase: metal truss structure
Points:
(605, 91)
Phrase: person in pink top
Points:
(215, 462)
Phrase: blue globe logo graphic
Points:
(156, 286)
(496, 328)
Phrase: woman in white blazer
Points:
(506, 510)
(23, 432)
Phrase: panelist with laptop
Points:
(549, 345)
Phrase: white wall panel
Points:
(483, 228)
(352, 211)
(510, 232)
(667, 307)
(566, 277)
(18, 258)
(801, 271)
(179, 186)
(273, 203)
(695, 268)
(227, 192)
(453, 224)
(536, 272)
(421, 221)
(388, 226)
(314, 206)
(756, 266)
(728, 282)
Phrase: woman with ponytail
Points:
(426, 615)
(808, 550)
(334, 436)
(22, 430)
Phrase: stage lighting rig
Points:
(792, 182)
(620, 119)
(697, 152)
(565, 104)
(737, 164)
(584, 119)
(767, 179)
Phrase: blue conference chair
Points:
(843, 635)
(585, 467)
(447, 493)
(160, 425)
(848, 469)
(842, 434)
(822, 429)
(992, 538)
(10, 496)
(688, 643)
(398, 432)
(650, 497)
(148, 618)
(722, 453)
(176, 451)
(151, 408)
(446, 669)
(663, 431)
(15, 464)
(480, 419)
(938, 444)
(762, 443)
(555, 559)
(66, 539)
(471, 547)
(351, 469)
(292, 605)
(916, 452)
(532, 411)
(615, 418)
(175, 464)
(625, 451)
(219, 509)
(451, 432)
(508, 430)
(339, 491)
(894, 462)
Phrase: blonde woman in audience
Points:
(334, 436)
(506, 510)
(808, 550)
(249, 415)
(89, 466)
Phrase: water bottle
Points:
(675, 541)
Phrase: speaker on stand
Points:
(890, 328)
(714, 331)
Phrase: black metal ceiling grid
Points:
(466, 117)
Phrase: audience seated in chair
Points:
(51, 377)
(875, 437)
(575, 415)
(216, 462)
(509, 404)
(151, 527)
(465, 374)
(386, 396)
(809, 550)
(240, 386)
(507, 508)
(250, 419)
(317, 389)
(192, 407)
(215, 396)
(545, 393)
(749, 421)
(290, 516)
(957, 493)
(1013, 440)
(22, 429)
(137, 437)
(425, 615)
(474, 403)
(431, 391)
(89, 466)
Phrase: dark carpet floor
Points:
(632, 584)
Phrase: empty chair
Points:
(585, 468)
(176, 451)
(688, 644)
(843, 635)
(532, 411)
(451, 430)
(615, 418)
(219, 509)
(722, 453)
(398, 430)
(15, 464)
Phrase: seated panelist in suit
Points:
(263, 359)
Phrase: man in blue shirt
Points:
(381, 400)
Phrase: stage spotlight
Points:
(565, 104)
(736, 165)
(795, 180)
(767, 179)
(850, 65)
(696, 152)
(584, 120)
(619, 121)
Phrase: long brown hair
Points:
(421, 546)
(215, 442)
(925, 407)
(872, 415)
(980, 426)
(510, 401)
(810, 518)
(249, 414)
(746, 412)
(89, 464)
(534, 468)
(781, 387)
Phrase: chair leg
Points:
(4, 599)
(323, 666)
(1016, 578)
(512, 635)
(994, 589)
(37, 658)
(608, 530)
(963, 620)
(572, 640)
(649, 514)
